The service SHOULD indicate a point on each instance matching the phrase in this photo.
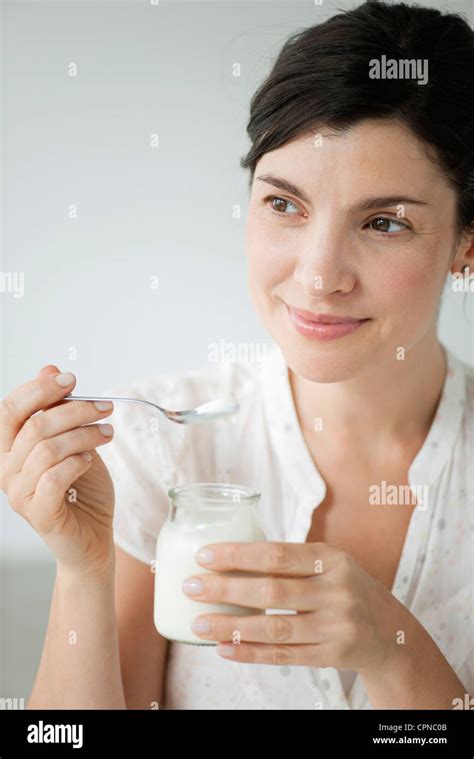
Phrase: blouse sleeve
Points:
(149, 454)
(144, 460)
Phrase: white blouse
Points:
(263, 447)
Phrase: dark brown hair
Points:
(321, 78)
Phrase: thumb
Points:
(47, 371)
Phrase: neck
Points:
(391, 401)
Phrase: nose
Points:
(323, 263)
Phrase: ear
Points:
(464, 256)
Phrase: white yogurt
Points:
(212, 410)
(176, 547)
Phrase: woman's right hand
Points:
(45, 471)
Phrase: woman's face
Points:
(345, 252)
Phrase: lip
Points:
(323, 326)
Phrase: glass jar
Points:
(199, 514)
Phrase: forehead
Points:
(376, 155)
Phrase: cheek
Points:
(405, 292)
(399, 287)
(268, 260)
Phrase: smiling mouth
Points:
(323, 327)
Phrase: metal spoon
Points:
(205, 413)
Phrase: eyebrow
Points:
(364, 205)
(283, 184)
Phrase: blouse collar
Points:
(298, 466)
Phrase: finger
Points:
(270, 557)
(27, 399)
(54, 421)
(45, 371)
(281, 655)
(51, 451)
(258, 592)
(48, 370)
(51, 489)
(261, 628)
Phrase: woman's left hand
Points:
(346, 619)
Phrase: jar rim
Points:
(214, 492)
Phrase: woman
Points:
(360, 208)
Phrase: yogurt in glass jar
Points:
(199, 514)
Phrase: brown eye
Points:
(281, 206)
(383, 224)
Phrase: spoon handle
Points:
(103, 398)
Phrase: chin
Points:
(322, 361)
(334, 363)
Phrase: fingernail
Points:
(65, 379)
(87, 456)
(103, 405)
(106, 429)
(201, 625)
(192, 586)
(205, 556)
(226, 650)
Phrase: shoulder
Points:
(187, 388)
(145, 442)
(467, 374)
(465, 394)
(469, 380)
(178, 390)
